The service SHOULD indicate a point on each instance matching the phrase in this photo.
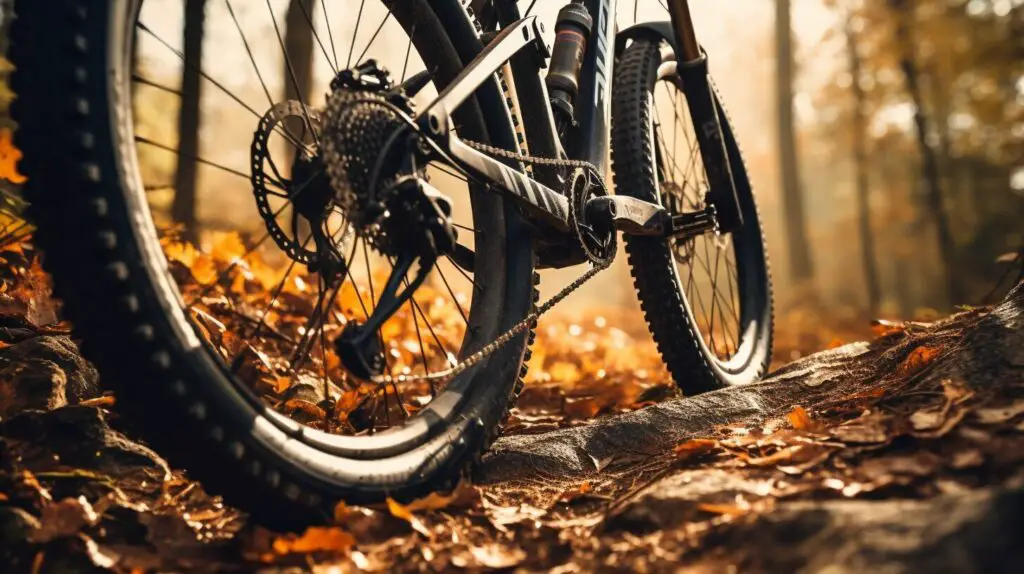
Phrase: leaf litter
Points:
(590, 365)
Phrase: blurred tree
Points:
(800, 267)
(859, 128)
(183, 208)
(904, 14)
(298, 74)
(966, 64)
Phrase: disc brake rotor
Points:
(289, 189)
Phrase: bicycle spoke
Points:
(462, 272)
(292, 76)
(408, 49)
(153, 84)
(206, 76)
(248, 50)
(452, 293)
(355, 34)
(312, 28)
(330, 34)
(274, 295)
(374, 37)
(224, 168)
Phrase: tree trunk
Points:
(183, 209)
(298, 79)
(793, 205)
(867, 238)
(929, 161)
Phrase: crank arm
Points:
(634, 216)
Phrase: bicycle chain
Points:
(597, 265)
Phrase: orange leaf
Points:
(882, 327)
(695, 447)
(574, 493)
(798, 418)
(204, 270)
(433, 501)
(723, 509)
(293, 405)
(315, 539)
(9, 156)
(918, 359)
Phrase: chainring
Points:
(584, 184)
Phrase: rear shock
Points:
(572, 31)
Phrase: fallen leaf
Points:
(882, 327)
(937, 424)
(9, 157)
(798, 418)
(315, 539)
(967, 458)
(918, 359)
(794, 459)
(497, 556)
(694, 448)
(1000, 414)
(104, 401)
(311, 410)
(576, 492)
(861, 433)
(403, 512)
(64, 518)
(724, 509)
(927, 419)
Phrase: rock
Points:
(628, 448)
(977, 531)
(31, 384)
(44, 372)
(81, 437)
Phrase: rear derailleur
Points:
(371, 154)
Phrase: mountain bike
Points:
(379, 194)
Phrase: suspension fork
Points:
(692, 67)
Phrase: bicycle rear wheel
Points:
(171, 325)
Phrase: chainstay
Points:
(520, 327)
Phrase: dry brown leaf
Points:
(1000, 414)
(861, 433)
(799, 419)
(883, 327)
(918, 359)
(104, 401)
(63, 518)
(315, 539)
(572, 494)
(695, 447)
(497, 556)
(927, 419)
(309, 409)
(724, 509)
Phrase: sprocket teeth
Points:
(359, 124)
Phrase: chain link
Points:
(520, 327)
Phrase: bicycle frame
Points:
(519, 45)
